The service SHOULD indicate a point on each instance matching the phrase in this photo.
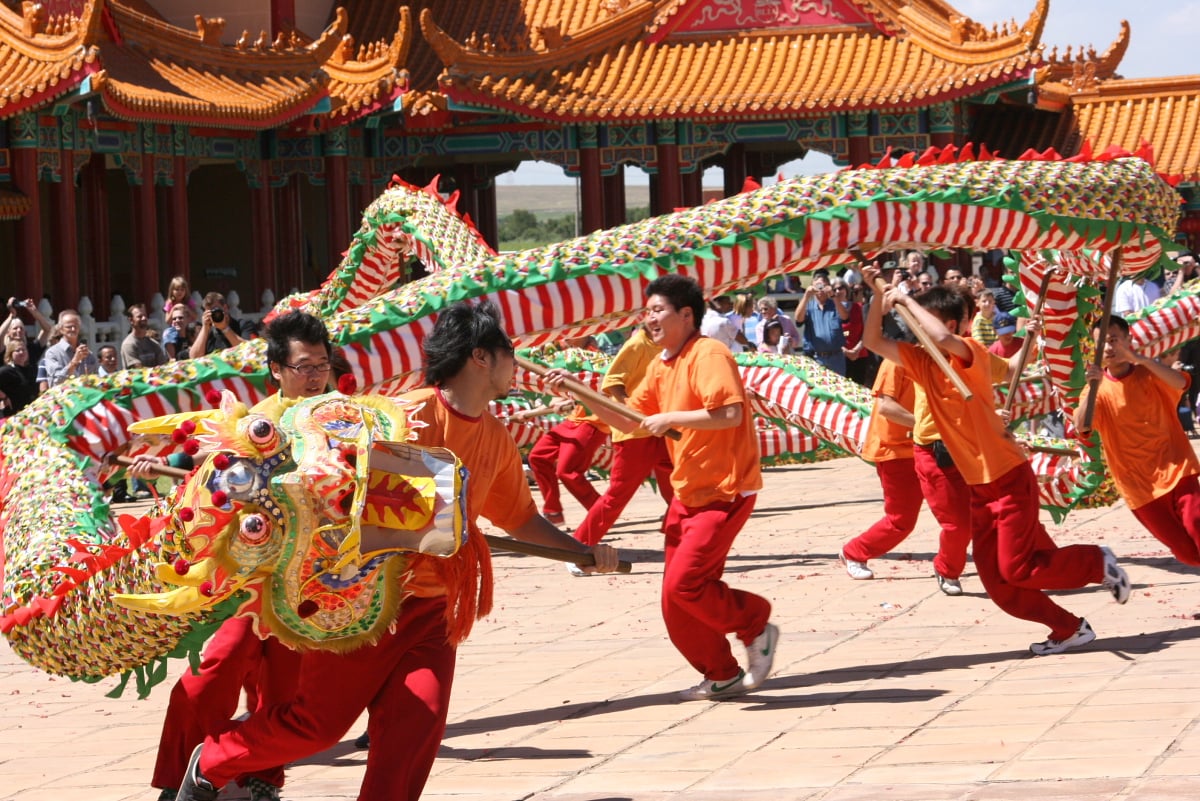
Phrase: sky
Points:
(1161, 43)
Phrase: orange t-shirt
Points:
(887, 440)
(1144, 445)
(627, 370)
(581, 414)
(974, 434)
(710, 466)
(496, 486)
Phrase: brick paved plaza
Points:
(883, 690)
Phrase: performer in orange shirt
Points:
(298, 356)
(1152, 462)
(696, 389)
(565, 453)
(890, 446)
(404, 679)
(1014, 554)
(635, 455)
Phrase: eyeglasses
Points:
(310, 369)
(840, 289)
(926, 283)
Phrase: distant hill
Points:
(555, 201)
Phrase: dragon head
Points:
(277, 510)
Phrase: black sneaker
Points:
(1115, 578)
(363, 742)
(261, 790)
(195, 787)
(1082, 636)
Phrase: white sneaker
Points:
(709, 690)
(761, 655)
(577, 571)
(949, 586)
(1115, 577)
(855, 570)
(1082, 636)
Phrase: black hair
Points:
(944, 303)
(458, 332)
(681, 292)
(1114, 321)
(297, 325)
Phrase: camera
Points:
(83, 340)
(217, 315)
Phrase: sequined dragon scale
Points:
(66, 557)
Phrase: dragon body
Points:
(65, 557)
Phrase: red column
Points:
(488, 222)
(591, 191)
(735, 169)
(178, 244)
(859, 150)
(66, 264)
(266, 262)
(941, 139)
(97, 272)
(669, 194)
(614, 198)
(291, 237)
(283, 16)
(693, 191)
(338, 187)
(145, 235)
(28, 250)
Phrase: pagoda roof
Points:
(648, 60)
(1164, 112)
(146, 69)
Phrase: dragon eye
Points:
(255, 529)
(262, 432)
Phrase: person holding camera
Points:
(13, 328)
(218, 329)
(70, 356)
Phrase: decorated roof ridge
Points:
(154, 71)
(672, 15)
(1115, 88)
(885, 15)
(1080, 71)
(203, 45)
(43, 57)
(556, 49)
(363, 81)
(959, 39)
(736, 76)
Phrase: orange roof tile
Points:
(731, 75)
(1162, 111)
(42, 58)
(158, 72)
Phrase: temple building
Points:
(141, 140)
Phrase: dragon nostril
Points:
(307, 608)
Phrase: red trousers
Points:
(633, 461)
(1016, 557)
(403, 680)
(1174, 519)
(949, 499)
(698, 607)
(565, 452)
(202, 703)
(901, 505)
